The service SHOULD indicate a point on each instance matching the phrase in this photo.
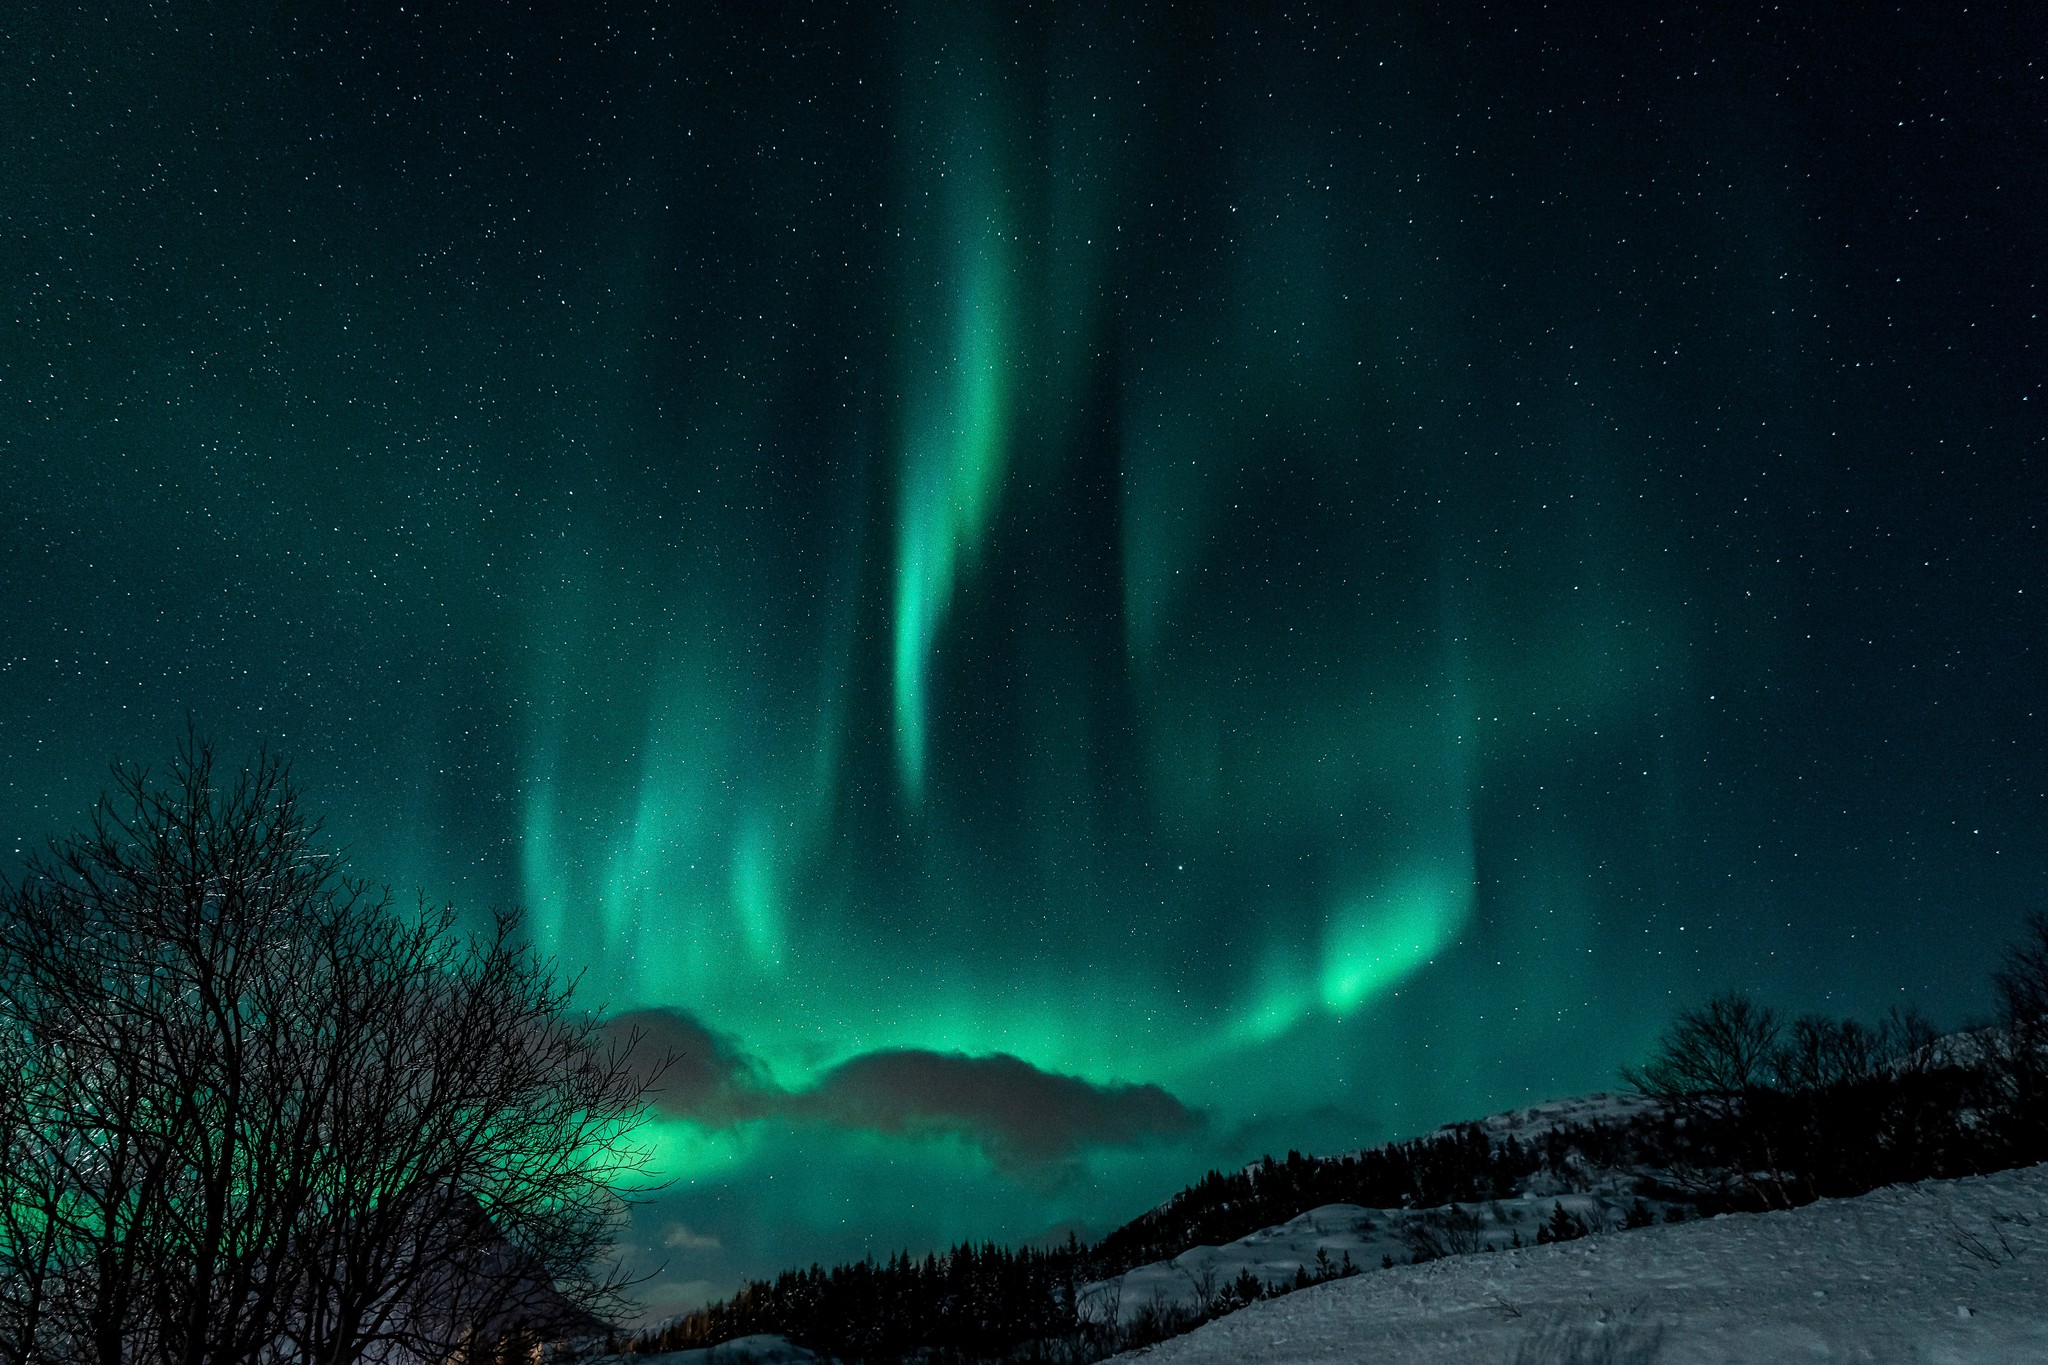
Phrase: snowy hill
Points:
(1939, 1271)
(1324, 1238)
(1529, 1124)
(1328, 1237)
(754, 1350)
(1606, 1228)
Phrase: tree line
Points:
(1791, 1111)
(1756, 1112)
(990, 1303)
(975, 1303)
(967, 1305)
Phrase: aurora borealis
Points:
(1060, 594)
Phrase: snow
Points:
(755, 1350)
(1948, 1271)
(1370, 1237)
(1529, 1124)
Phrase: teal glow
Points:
(958, 380)
(755, 893)
(682, 1150)
(1287, 561)
(1384, 938)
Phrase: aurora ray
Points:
(1258, 582)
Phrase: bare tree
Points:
(1717, 1062)
(1453, 1230)
(482, 1158)
(261, 1114)
(1726, 1047)
(2017, 1054)
(1824, 1054)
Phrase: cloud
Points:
(1020, 1115)
(708, 1076)
(680, 1237)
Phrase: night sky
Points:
(1059, 593)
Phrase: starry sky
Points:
(1056, 593)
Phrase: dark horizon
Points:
(1061, 599)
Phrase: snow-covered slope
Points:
(1532, 1123)
(758, 1350)
(1941, 1271)
(1323, 1238)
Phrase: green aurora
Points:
(1304, 579)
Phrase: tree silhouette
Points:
(255, 1112)
(2018, 1049)
(1728, 1046)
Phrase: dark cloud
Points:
(1016, 1111)
(1020, 1115)
(708, 1076)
